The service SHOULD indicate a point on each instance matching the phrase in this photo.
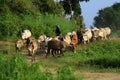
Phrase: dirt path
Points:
(100, 76)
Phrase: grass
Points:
(102, 56)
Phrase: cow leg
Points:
(88, 41)
(85, 42)
(57, 52)
(105, 37)
(74, 48)
(33, 57)
(48, 52)
(53, 51)
(101, 38)
(61, 52)
(29, 52)
(108, 36)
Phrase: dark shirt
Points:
(57, 30)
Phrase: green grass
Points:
(102, 56)
(99, 56)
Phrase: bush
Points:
(65, 73)
(11, 25)
(16, 68)
(104, 54)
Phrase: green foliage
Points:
(116, 34)
(16, 68)
(65, 73)
(49, 6)
(19, 6)
(31, 6)
(40, 16)
(78, 20)
(11, 25)
(102, 55)
(99, 56)
(72, 5)
(109, 16)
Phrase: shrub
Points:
(11, 25)
(16, 68)
(65, 73)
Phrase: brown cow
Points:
(32, 48)
(32, 45)
(74, 41)
(56, 45)
(71, 38)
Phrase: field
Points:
(94, 61)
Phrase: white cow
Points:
(67, 38)
(95, 33)
(104, 33)
(19, 44)
(26, 33)
(87, 36)
(41, 38)
(108, 32)
(43, 42)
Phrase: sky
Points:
(91, 8)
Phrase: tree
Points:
(48, 6)
(109, 16)
(72, 7)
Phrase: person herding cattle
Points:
(58, 31)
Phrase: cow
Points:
(67, 38)
(32, 48)
(95, 34)
(80, 33)
(41, 38)
(19, 44)
(71, 39)
(74, 41)
(56, 45)
(102, 34)
(32, 45)
(87, 36)
(41, 41)
(44, 44)
(108, 32)
(22, 42)
(26, 33)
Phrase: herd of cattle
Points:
(59, 44)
